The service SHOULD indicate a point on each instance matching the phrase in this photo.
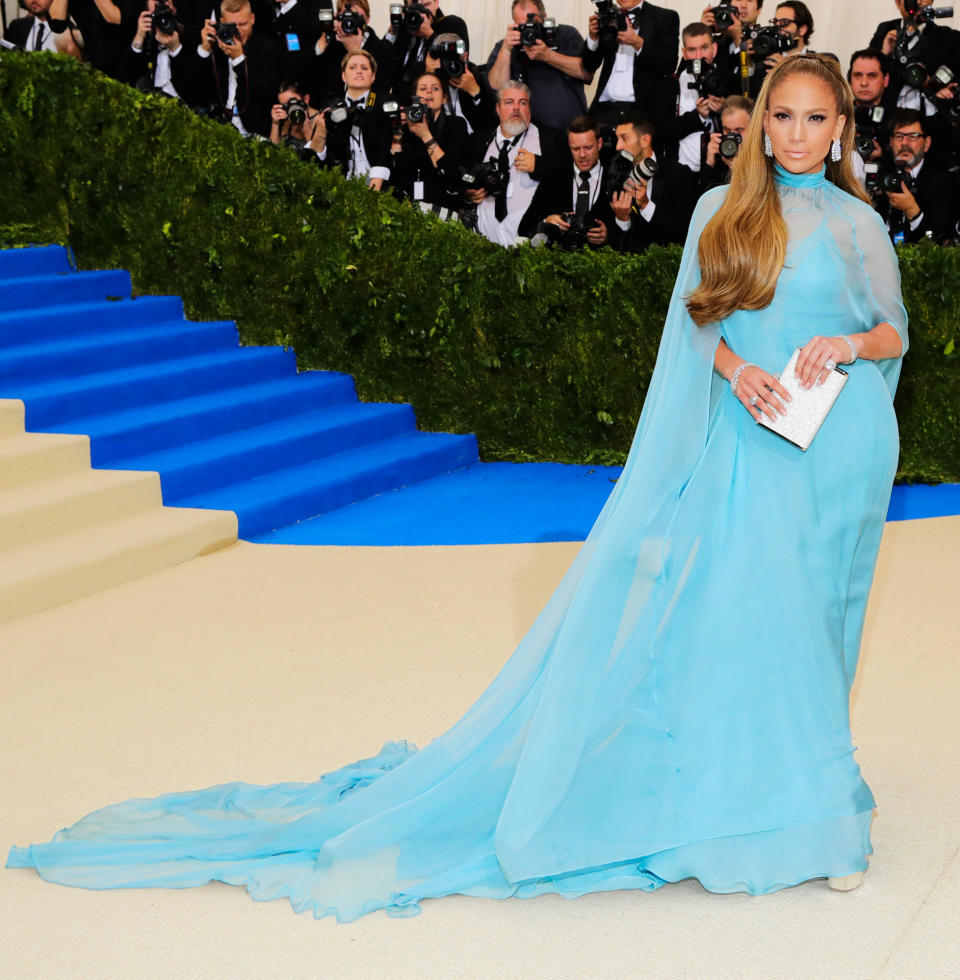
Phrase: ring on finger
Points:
(754, 400)
(830, 364)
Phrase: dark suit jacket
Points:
(674, 194)
(258, 80)
(936, 193)
(938, 45)
(19, 30)
(555, 196)
(141, 65)
(375, 132)
(441, 183)
(398, 61)
(554, 154)
(660, 30)
(480, 112)
(324, 76)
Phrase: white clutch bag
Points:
(809, 406)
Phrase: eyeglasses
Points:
(781, 21)
(906, 137)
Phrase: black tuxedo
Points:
(324, 76)
(937, 45)
(258, 80)
(138, 67)
(936, 194)
(660, 30)
(374, 131)
(672, 193)
(555, 195)
(678, 126)
(18, 31)
(480, 113)
(297, 31)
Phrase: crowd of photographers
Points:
(510, 147)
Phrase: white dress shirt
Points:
(520, 189)
(689, 151)
(619, 87)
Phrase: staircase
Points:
(226, 427)
(67, 530)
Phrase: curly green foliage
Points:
(543, 354)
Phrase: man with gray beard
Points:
(516, 154)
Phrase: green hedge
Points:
(543, 354)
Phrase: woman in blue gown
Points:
(680, 707)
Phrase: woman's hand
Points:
(761, 393)
(812, 361)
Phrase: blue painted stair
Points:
(227, 427)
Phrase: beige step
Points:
(43, 509)
(26, 457)
(11, 415)
(47, 573)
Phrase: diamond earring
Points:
(836, 151)
(767, 145)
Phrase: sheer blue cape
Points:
(639, 734)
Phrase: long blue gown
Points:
(680, 706)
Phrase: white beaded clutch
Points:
(809, 407)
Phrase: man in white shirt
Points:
(152, 52)
(33, 32)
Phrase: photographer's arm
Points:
(109, 11)
(498, 67)
(569, 64)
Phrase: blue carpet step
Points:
(98, 352)
(208, 464)
(17, 262)
(75, 320)
(76, 287)
(148, 428)
(287, 496)
(53, 401)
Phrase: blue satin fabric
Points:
(680, 706)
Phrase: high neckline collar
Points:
(787, 179)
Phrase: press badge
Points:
(418, 190)
(623, 62)
(293, 42)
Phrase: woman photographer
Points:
(427, 153)
(292, 121)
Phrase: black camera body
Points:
(163, 19)
(890, 180)
(622, 168)
(417, 111)
(610, 21)
(484, 176)
(771, 40)
(407, 17)
(708, 79)
(351, 21)
(730, 144)
(227, 33)
(532, 31)
(574, 237)
(923, 15)
(725, 15)
(296, 110)
(870, 129)
(450, 54)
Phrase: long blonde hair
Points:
(743, 246)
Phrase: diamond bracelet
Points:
(854, 353)
(735, 377)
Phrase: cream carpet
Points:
(270, 663)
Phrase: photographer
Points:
(655, 210)
(349, 31)
(153, 60)
(698, 91)
(917, 198)
(33, 32)
(507, 163)
(633, 62)
(235, 69)
(409, 38)
(553, 71)
(104, 26)
(571, 202)
(740, 19)
(297, 28)
(723, 146)
(428, 151)
(292, 121)
(354, 135)
(875, 102)
(917, 47)
(468, 97)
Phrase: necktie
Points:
(503, 165)
(38, 40)
(583, 197)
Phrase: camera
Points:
(725, 15)
(164, 20)
(325, 17)
(707, 79)
(920, 14)
(351, 21)
(484, 176)
(417, 111)
(771, 40)
(869, 128)
(450, 54)
(610, 21)
(730, 145)
(570, 238)
(622, 168)
(890, 180)
(296, 110)
(392, 111)
(341, 114)
(533, 31)
(407, 18)
(227, 33)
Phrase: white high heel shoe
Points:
(847, 883)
